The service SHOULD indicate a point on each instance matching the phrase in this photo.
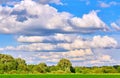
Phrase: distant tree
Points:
(41, 68)
(118, 69)
(78, 70)
(65, 65)
(10, 65)
(52, 68)
(109, 69)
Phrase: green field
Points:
(62, 76)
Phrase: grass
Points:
(62, 76)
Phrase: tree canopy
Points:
(11, 65)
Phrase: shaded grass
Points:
(62, 76)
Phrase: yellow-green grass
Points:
(62, 76)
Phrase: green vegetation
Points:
(10, 65)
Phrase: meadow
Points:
(62, 76)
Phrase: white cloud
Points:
(48, 1)
(106, 5)
(31, 47)
(105, 58)
(30, 39)
(96, 42)
(78, 53)
(52, 38)
(63, 42)
(75, 55)
(104, 42)
(115, 26)
(89, 21)
(102, 60)
(31, 18)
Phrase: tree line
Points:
(10, 65)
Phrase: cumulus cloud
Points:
(30, 18)
(115, 26)
(96, 42)
(61, 43)
(34, 47)
(93, 23)
(52, 38)
(105, 58)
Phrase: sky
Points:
(87, 32)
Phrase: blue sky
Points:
(84, 31)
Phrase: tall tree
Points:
(65, 65)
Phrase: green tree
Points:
(7, 63)
(21, 64)
(109, 69)
(52, 68)
(30, 68)
(65, 65)
(41, 68)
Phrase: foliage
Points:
(65, 65)
(10, 65)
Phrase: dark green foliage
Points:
(7, 63)
(53, 68)
(41, 68)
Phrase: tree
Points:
(30, 68)
(7, 63)
(41, 68)
(52, 68)
(65, 65)
(21, 64)
(109, 69)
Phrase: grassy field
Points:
(62, 76)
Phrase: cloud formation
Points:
(96, 42)
(61, 43)
(30, 18)
(52, 38)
